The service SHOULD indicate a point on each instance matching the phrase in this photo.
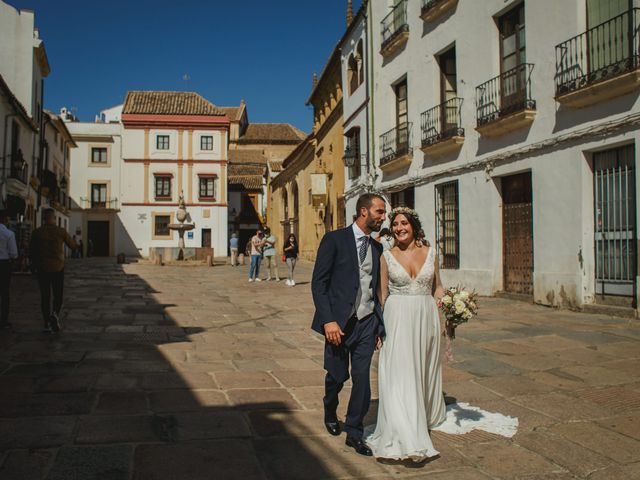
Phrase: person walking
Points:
(348, 314)
(8, 252)
(80, 248)
(256, 256)
(233, 247)
(269, 253)
(291, 257)
(47, 256)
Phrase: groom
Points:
(344, 288)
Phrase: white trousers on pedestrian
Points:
(234, 257)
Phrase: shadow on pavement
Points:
(127, 392)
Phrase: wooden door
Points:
(98, 238)
(206, 238)
(517, 228)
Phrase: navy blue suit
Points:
(334, 286)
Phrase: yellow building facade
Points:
(307, 196)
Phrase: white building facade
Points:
(94, 189)
(360, 171)
(128, 174)
(510, 126)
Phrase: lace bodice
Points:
(400, 283)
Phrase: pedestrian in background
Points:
(47, 256)
(8, 252)
(233, 246)
(386, 239)
(80, 249)
(291, 257)
(269, 254)
(256, 256)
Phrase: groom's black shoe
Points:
(359, 446)
(333, 427)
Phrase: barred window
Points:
(447, 225)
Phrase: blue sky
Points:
(264, 52)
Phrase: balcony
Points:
(505, 103)
(99, 205)
(441, 128)
(395, 148)
(395, 30)
(434, 9)
(601, 63)
(18, 177)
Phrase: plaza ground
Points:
(194, 373)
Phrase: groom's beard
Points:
(374, 225)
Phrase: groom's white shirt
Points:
(364, 300)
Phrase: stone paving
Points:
(193, 373)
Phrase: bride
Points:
(411, 402)
(409, 373)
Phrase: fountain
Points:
(181, 216)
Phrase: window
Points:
(512, 38)
(447, 225)
(99, 155)
(98, 195)
(163, 186)
(352, 152)
(206, 142)
(401, 102)
(161, 225)
(207, 187)
(403, 198)
(162, 142)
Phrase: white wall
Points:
(561, 175)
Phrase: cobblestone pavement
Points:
(193, 373)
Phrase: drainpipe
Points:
(371, 166)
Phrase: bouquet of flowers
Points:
(458, 306)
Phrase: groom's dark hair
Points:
(365, 201)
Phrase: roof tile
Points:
(169, 103)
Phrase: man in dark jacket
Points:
(47, 255)
(345, 294)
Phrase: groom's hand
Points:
(333, 333)
(378, 342)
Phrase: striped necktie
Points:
(362, 249)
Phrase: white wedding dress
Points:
(410, 375)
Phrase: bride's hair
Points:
(412, 217)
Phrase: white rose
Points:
(460, 307)
(446, 300)
(464, 295)
(456, 297)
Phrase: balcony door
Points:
(98, 195)
(513, 76)
(607, 34)
(402, 117)
(448, 91)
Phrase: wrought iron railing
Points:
(90, 203)
(395, 23)
(395, 143)
(441, 122)
(507, 93)
(604, 51)
(429, 5)
(18, 168)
